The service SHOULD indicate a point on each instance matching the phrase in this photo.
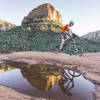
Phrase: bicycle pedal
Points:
(57, 47)
(64, 45)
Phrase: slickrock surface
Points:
(88, 64)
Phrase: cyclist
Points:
(65, 36)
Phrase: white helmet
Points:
(71, 23)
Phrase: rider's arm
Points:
(70, 32)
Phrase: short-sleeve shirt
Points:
(65, 28)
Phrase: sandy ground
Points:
(88, 64)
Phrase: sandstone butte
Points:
(43, 12)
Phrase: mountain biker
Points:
(65, 36)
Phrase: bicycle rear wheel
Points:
(75, 50)
(55, 46)
(73, 73)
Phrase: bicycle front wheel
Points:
(75, 50)
(54, 47)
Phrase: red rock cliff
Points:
(43, 12)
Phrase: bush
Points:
(22, 39)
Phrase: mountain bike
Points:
(71, 47)
(68, 75)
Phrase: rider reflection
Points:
(66, 83)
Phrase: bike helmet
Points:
(71, 23)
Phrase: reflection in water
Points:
(47, 82)
(5, 69)
(47, 76)
(68, 79)
(42, 77)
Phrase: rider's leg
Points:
(67, 37)
(62, 43)
(70, 33)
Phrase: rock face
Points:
(43, 15)
(4, 26)
(94, 36)
(45, 11)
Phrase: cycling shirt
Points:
(65, 28)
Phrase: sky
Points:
(84, 13)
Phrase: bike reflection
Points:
(66, 83)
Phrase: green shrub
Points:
(22, 39)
